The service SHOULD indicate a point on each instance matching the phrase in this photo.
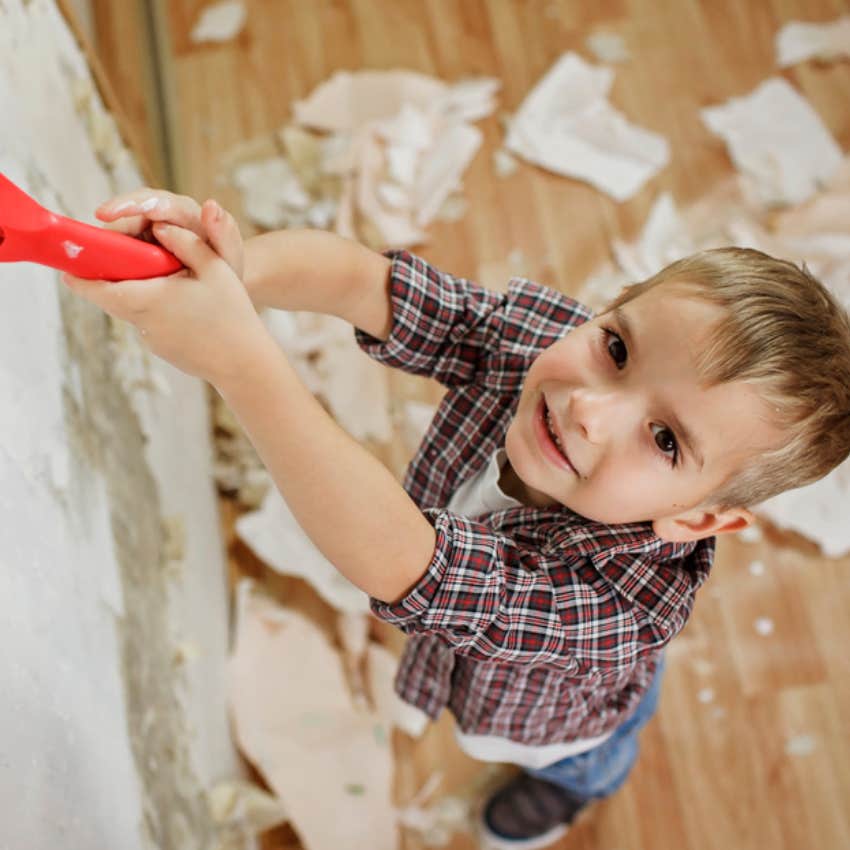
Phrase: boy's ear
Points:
(700, 522)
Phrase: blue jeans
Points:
(601, 771)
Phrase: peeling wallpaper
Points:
(110, 555)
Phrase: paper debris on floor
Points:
(330, 764)
(220, 22)
(567, 125)
(778, 142)
(798, 41)
(664, 238)
(324, 353)
(801, 745)
(275, 536)
(608, 47)
(504, 164)
(243, 809)
(375, 155)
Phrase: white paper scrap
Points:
(295, 721)
(608, 47)
(818, 510)
(798, 41)
(329, 361)
(777, 140)
(665, 237)
(763, 626)
(441, 168)
(566, 125)
(663, 240)
(239, 803)
(220, 22)
(801, 745)
(349, 100)
(270, 188)
(274, 535)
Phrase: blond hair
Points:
(784, 334)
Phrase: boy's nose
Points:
(597, 411)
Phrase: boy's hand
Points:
(135, 213)
(201, 318)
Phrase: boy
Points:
(561, 511)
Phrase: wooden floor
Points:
(718, 770)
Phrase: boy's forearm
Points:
(320, 272)
(346, 501)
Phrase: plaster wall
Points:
(112, 577)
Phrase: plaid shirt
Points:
(533, 624)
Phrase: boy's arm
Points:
(346, 501)
(323, 273)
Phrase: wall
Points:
(112, 581)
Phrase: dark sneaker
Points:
(528, 813)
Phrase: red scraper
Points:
(31, 233)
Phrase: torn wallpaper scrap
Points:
(315, 749)
(778, 141)
(798, 41)
(567, 125)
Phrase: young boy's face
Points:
(641, 439)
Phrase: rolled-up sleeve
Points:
(441, 323)
(455, 331)
(490, 598)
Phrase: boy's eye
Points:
(666, 441)
(616, 348)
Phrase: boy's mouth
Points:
(549, 438)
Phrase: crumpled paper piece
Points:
(220, 22)
(325, 354)
(664, 238)
(241, 808)
(567, 125)
(608, 47)
(778, 141)
(391, 160)
(798, 41)
(275, 536)
(330, 764)
(409, 145)
(438, 822)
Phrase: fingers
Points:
(123, 299)
(133, 211)
(187, 246)
(222, 232)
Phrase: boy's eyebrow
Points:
(678, 426)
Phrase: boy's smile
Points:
(613, 421)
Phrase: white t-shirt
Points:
(477, 495)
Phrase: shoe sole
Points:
(492, 841)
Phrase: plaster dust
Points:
(106, 489)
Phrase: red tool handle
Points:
(86, 251)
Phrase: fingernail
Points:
(149, 204)
(218, 212)
(127, 205)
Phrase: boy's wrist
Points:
(248, 364)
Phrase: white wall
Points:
(108, 738)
